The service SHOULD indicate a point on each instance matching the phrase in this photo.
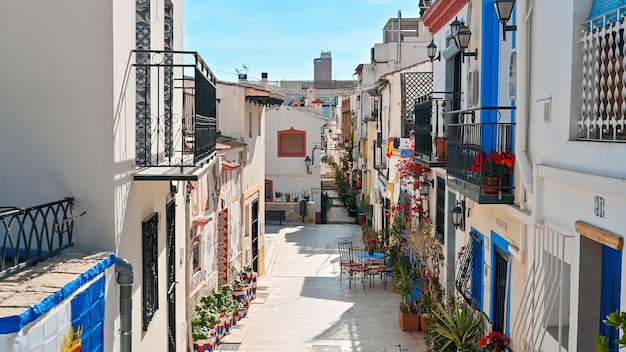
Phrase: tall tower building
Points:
(323, 67)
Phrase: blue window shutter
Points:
(477, 273)
(602, 7)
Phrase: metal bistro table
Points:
(374, 264)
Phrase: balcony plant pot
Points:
(441, 147)
(491, 185)
(408, 321)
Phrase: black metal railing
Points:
(30, 235)
(167, 136)
(471, 144)
(430, 123)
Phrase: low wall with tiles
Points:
(292, 211)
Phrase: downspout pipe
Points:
(399, 53)
(124, 276)
(523, 64)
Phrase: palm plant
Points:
(405, 281)
(456, 329)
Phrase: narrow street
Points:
(302, 306)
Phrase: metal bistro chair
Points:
(347, 261)
(360, 266)
(384, 270)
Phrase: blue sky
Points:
(282, 37)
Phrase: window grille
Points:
(150, 284)
(603, 110)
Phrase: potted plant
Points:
(493, 171)
(405, 281)
(279, 196)
(441, 147)
(204, 324)
(371, 239)
(455, 327)
(495, 342)
(428, 251)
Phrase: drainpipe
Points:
(399, 38)
(188, 310)
(523, 64)
(124, 275)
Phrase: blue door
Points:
(611, 282)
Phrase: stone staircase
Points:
(337, 214)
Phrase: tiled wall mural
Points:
(75, 324)
(223, 247)
(168, 79)
(142, 82)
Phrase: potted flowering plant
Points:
(493, 170)
(495, 342)
(371, 239)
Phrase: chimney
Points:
(264, 79)
(243, 77)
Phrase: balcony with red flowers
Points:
(480, 157)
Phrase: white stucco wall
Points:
(569, 173)
(63, 83)
(289, 173)
(243, 120)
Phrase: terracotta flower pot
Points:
(408, 321)
(491, 185)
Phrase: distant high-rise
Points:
(323, 67)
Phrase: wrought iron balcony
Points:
(413, 85)
(30, 235)
(430, 127)
(480, 154)
(176, 110)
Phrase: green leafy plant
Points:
(428, 253)
(371, 238)
(615, 320)
(405, 282)
(454, 328)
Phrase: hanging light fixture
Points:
(307, 163)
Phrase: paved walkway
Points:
(301, 305)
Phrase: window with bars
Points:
(603, 110)
(291, 143)
(441, 209)
(150, 282)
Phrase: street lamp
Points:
(425, 187)
(457, 215)
(431, 50)
(307, 163)
(462, 39)
(504, 9)
(346, 144)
